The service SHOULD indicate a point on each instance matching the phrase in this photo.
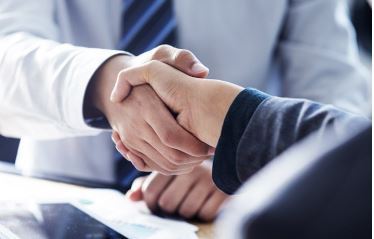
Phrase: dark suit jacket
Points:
(318, 188)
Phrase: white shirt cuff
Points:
(87, 64)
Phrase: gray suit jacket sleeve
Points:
(275, 124)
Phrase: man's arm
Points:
(254, 134)
(43, 82)
(251, 127)
(145, 124)
(318, 56)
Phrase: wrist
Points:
(102, 83)
(213, 103)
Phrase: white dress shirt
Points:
(49, 49)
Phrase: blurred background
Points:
(361, 15)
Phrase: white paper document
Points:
(133, 219)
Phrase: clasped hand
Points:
(198, 105)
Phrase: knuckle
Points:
(168, 138)
(121, 76)
(166, 204)
(204, 217)
(161, 52)
(152, 65)
(177, 157)
(187, 211)
(206, 214)
(150, 195)
(181, 55)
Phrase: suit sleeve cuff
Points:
(225, 173)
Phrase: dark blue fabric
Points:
(8, 149)
(225, 174)
(145, 25)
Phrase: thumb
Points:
(171, 85)
(180, 59)
(135, 193)
(120, 90)
(131, 77)
(188, 63)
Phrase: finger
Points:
(195, 199)
(142, 162)
(138, 75)
(120, 90)
(158, 161)
(135, 193)
(154, 163)
(181, 59)
(135, 76)
(121, 148)
(115, 137)
(141, 74)
(161, 123)
(137, 162)
(175, 193)
(152, 188)
(211, 207)
(169, 153)
(173, 135)
(187, 62)
(137, 151)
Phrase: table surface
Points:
(17, 184)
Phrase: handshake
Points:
(165, 115)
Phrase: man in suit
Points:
(50, 50)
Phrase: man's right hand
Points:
(200, 106)
(145, 124)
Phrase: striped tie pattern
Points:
(146, 24)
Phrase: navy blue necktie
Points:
(146, 24)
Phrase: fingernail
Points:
(199, 68)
